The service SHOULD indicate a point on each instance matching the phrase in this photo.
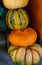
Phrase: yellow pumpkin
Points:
(25, 55)
(13, 4)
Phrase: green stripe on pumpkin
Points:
(12, 19)
(20, 21)
(22, 14)
(16, 18)
(7, 18)
(23, 18)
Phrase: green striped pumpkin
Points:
(17, 19)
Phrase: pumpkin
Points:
(17, 19)
(2, 41)
(13, 4)
(25, 37)
(25, 55)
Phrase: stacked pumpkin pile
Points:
(22, 38)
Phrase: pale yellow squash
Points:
(13, 4)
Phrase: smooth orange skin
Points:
(26, 37)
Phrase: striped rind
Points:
(17, 19)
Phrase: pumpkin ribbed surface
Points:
(17, 19)
(25, 55)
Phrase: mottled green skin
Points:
(17, 19)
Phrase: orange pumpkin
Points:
(26, 37)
